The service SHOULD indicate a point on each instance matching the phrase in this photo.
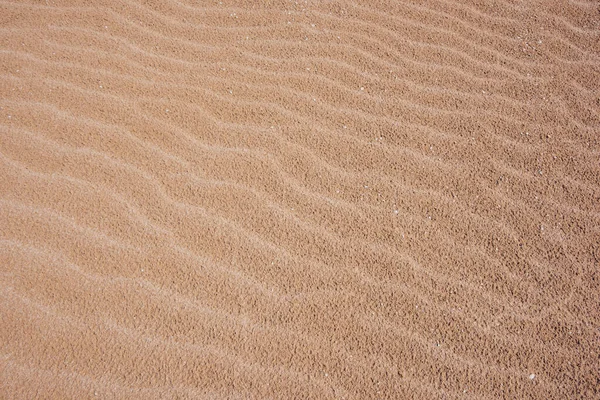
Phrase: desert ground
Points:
(343, 199)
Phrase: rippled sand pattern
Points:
(300, 199)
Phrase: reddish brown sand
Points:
(311, 199)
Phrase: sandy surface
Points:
(312, 199)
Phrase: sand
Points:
(300, 199)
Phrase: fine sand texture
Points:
(300, 199)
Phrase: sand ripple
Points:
(306, 199)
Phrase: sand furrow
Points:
(158, 293)
(469, 363)
(592, 186)
(483, 31)
(150, 344)
(284, 209)
(504, 102)
(384, 250)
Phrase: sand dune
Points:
(300, 199)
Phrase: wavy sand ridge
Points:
(301, 200)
